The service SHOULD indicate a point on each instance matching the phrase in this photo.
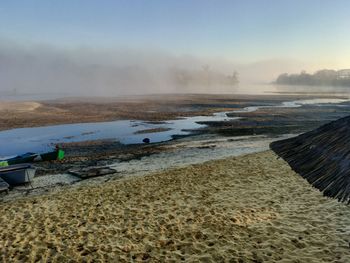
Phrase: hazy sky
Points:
(245, 30)
(312, 34)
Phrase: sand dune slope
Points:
(251, 208)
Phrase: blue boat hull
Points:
(17, 174)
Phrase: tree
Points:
(233, 79)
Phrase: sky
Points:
(246, 34)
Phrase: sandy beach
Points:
(19, 106)
(251, 208)
(175, 131)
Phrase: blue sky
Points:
(242, 31)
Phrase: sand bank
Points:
(19, 106)
(250, 208)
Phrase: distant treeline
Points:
(202, 77)
(324, 77)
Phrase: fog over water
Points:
(44, 69)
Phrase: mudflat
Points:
(148, 108)
(251, 208)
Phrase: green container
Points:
(4, 163)
(60, 155)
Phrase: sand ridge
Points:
(251, 208)
(19, 106)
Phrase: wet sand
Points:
(251, 208)
(148, 108)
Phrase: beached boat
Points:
(23, 158)
(36, 157)
(17, 174)
(4, 187)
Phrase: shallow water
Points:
(40, 139)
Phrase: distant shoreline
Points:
(321, 78)
(334, 94)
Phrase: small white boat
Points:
(17, 174)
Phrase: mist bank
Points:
(42, 69)
(109, 73)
